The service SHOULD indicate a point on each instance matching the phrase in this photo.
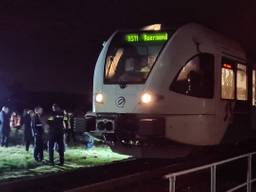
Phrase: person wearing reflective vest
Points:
(56, 133)
(37, 127)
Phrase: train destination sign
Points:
(146, 37)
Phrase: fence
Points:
(213, 170)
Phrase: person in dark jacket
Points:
(70, 128)
(5, 126)
(56, 133)
(38, 130)
(27, 125)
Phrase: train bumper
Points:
(128, 128)
(137, 135)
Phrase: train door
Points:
(253, 98)
(235, 99)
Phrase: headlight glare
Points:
(99, 98)
(146, 98)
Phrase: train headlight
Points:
(146, 98)
(99, 98)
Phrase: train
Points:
(164, 92)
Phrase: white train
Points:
(160, 92)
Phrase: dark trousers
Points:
(59, 140)
(70, 135)
(39, 148)
(28, 142)
(4, 140)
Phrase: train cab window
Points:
(196, 78)
(227, 81)
(241, 82)
(131, 56)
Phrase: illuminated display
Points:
(146, 37)
(228, 66)
(132, 37)
(155, 37)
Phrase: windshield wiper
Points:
(122, 84)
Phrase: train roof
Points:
(213, 37)
(201, 33)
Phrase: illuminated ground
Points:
(16, 163)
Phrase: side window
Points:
(227, 81)
(253, 87)
(196, 78)
(234, 84)
(241, 82)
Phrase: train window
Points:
(196, 78)
(241, 82)
(131, 56)
(227, 82)
(234, 81)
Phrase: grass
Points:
(16, 163)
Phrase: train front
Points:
(126, 91)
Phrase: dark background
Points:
(48, 49)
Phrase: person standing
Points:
(56, 133)
(38, 130)
(27, 124)
(65, 126)
(70, 128)
(15, 121)
(5, 126)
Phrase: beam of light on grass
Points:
(16, 163)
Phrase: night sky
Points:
(52, 46)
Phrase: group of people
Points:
(34, 130)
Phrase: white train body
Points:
(199, 81)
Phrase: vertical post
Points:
(213, 178)
(249, 173)
(172, 181)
